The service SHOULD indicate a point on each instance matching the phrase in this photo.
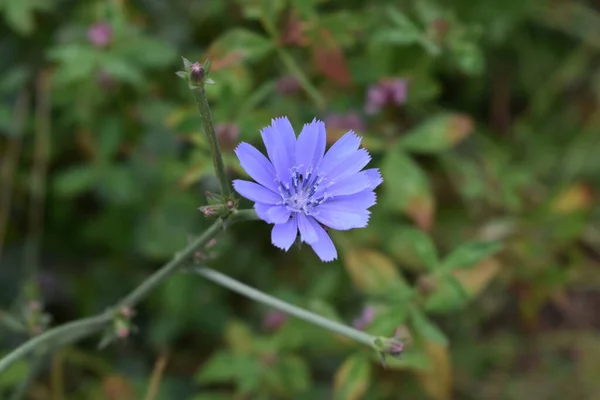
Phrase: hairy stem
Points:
(204, 109)
(290, 309)
(74, 331)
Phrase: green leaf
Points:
(353, 377)
(291, 375)
(469, 254)
(424, 327)
(19, 14)
(248, 45)
(76, 180)
(225, 367)
(14, 374)
(423, 246)
(448, 295)
(437, 133)
(407, 188)
(387, 319)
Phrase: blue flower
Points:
(302, 188)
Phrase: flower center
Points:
(300, 195)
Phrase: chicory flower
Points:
(302, 188)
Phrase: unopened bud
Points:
(197, 73)
(127, 312)
(123, 332)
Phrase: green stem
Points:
(84, 327)
(160, 275)
(74, 331)
(204, 109)
(290, 309)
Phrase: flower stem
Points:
(76, 330)
(290, 309)
(204, 109)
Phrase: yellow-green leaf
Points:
(438, 133)
(437, 380)
(407, 188)
(371, 271)
(352, 378)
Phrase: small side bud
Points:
(197, 74)
(389, 347)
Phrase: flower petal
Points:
(324, 247)
(350, 165)
(279, 214)
(345, 146)
(255, 192)
(342, 220)
(272, 214)
(284, 235)
(368, 179)
(256, 165)
(280, 141)
(307, 231)
(354, 202)
(310, 146)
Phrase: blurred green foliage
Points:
(483, 252)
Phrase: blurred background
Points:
(483, 251)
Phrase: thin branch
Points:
(290, 309)
(74, 331)
(209, 128)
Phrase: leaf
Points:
(404, 32)
(243, 43)
(226, 366)
(423, 246)
(19, 13)
(407, 189)
(291, 375)
(574, 198)
(239, 337)
(437, 379)
(475, 279)
(75, 180)
(352, 378)
(371, 271)
(15, 374)
(424, 327)
(438, 133)
(386, 320)
(330, 59)
(469, 254)
(448, 294)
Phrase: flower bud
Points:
(197, 73)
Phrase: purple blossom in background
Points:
(365, 319)
(287, 85)
(345, 122)
(100, 34)
(386, 92)
(274, 320)
(227, 134)
(303, 189)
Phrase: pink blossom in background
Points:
(100, 34)
(386, 92)
(351, 121)
(287, 85)
(274, 320)
(227, 134)
(365, 318)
